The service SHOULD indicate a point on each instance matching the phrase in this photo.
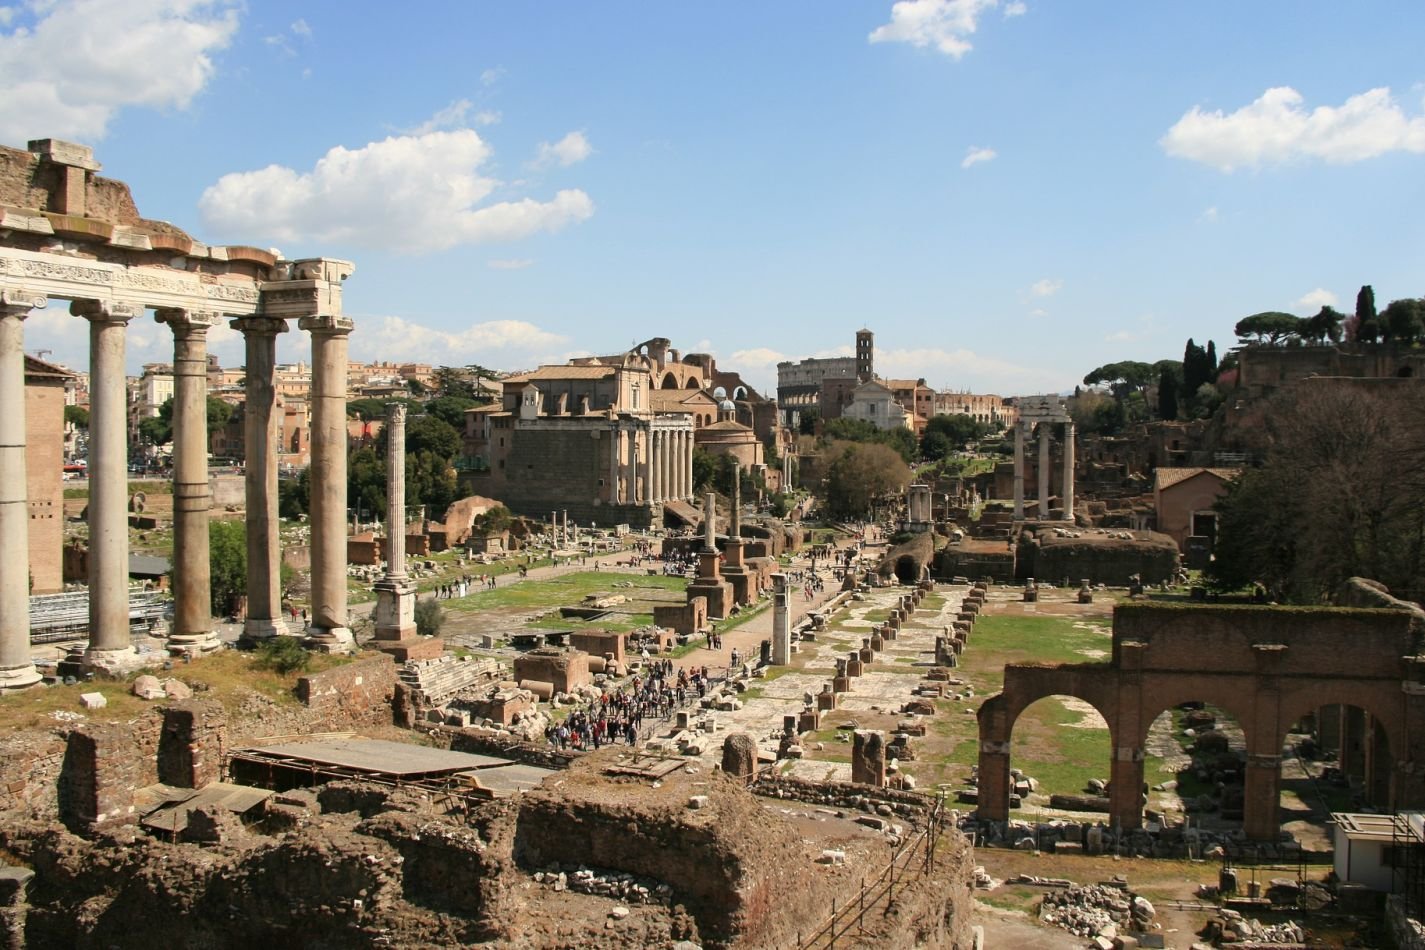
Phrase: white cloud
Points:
(282, 42)
(509, 264)
(78, 63)
(492, 75)
(943, 24)
(1209, 215)
(407, 193)
(493, 343)
(1015, 8)
(968, 368)
(6, 15)
(1314, 300)
(570, 150)
(1276, 129)
(974, 155)
(759, 357)
(456, 115)
(1047, 287)
(1039, 312)
(300, 28)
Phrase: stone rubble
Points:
(617, 885)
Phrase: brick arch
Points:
(1265, 666)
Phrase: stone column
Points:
(328, 630)
(613, 464)
(1069, 471)
(643, 456)
(1019, 471)
(1044, 471)
(709, 522)
(1261, 797)
(395, 627)
(17, 670)
(655, 458)
(111, 648)
(781, 621)
(264, 550)
(688, 465)
(192, 581)
(1125, 794)
(734, 518)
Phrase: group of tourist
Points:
(618, 715)
(462, 587)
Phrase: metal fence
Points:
(58, 617)
(913, 858)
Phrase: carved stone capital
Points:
(18, 302)
(105, 311)
(395, 413)
(183, 321)
(260, 325)
(327, 324)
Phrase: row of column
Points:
(110, 647)
(1021, 430)
(663, 471)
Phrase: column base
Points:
(115, 663)
(411, 648)
(264, 628)
(194, 644)
(19, 677)
(329, 640)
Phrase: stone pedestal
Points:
(709, 584)
(868, 758)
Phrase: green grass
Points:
(566, 590)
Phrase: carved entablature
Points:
(306, 288)
(75, 278)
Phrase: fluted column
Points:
(655, 460)
(1044, 470)
(17, 669)
(613, 464)
(192, 572)
(1068, 471)
(1019, 471)
(111, 647)
(688, 465)
(328, 626)
(264, 544)
(625, 466)
(396, 490)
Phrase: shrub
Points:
(283, 655)
(430, 617)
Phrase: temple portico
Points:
(113, 270)
(1043, 413)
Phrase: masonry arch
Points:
(670, 381)
(692, 383)
(1061, 743)
(1358, 731)
(1202, 750)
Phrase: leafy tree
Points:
(1401, 321)
(1167, 394)
(227, 563)
(807, 418)
(430, 434)
(430, 617)
(704, 469)
(77, 416)
(366, 408)
(451, 410)
(956, 430)
(219, 413)
(1324, 325)
(935, 445)
(858, 474)
(1123, 378)
(492, 522)
(1270, 326)
(294, 495)
(455, 381)
(1367, 323)
(366, 483)
(158, 429)
(850, 430)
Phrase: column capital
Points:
(395, 413)
(327, 324)
(105, 311)
(18, 302)
(180, 319)
(260, 324)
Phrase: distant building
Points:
(1183, 499)
(875, 403)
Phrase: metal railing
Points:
(58, 617)
(911, 859)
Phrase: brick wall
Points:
(44, 463)
(361, 690)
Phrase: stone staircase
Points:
(436, 680)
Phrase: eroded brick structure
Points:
(1268, 667)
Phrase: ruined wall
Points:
(360, 691)
(104, 765)
(30, 764)
(1101, 561)
(44, 459)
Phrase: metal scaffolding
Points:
(59, 617)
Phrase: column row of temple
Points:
(110, 647)
(1021, 431)
(650, 466)
(672, 465)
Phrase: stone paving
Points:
(885, 685)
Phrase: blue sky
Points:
(1008, 193)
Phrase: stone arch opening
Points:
(670, 381)
(692, 383)
(1060, 755)
(907, 569)
(1195, 764)
(739, 393)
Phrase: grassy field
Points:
(567, 590)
